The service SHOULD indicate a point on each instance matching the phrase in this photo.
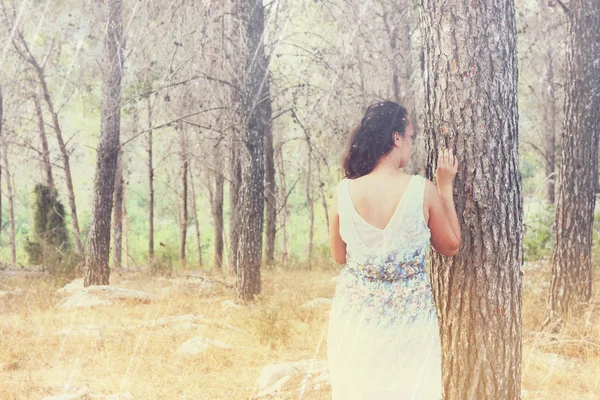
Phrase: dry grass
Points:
(34, 362)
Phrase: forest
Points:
(167, 171)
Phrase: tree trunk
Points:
(184, 199)
(234, 209)
(11, 207)
(470, 73)
(270, 193)
(150, 188)
(1, 143)
(98, 250)
(118, 215)
(255, 113)
(47, 166)
(196, 220)
(217, 211)
(126, 230)
(571, 283)
(311, 207)
(284, 209)
(551, 118)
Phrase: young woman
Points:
(383, 339)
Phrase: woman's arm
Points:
(336, 244)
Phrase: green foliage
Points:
(537, 239)
(50, 247)
(162, 264)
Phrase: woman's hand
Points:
(446, 169)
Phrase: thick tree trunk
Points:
(47, 166)
(11, 207)
(150, 188)
(118, 215)
(196, 219)
(255, 113)
(270, 194)
(98, 250)
(571, 284)
(470, 73)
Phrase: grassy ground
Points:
(34, 362)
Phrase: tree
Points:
(118, 214)
(470, 74)
(98, 250)
(254, 113)
(571, 283)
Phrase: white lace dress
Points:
(383, 340)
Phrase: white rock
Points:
(190, 286)
(321, 301)
(199, 344)
(71, 287)
(229, 304)
(103, 295)
(275, 388)
(88, 331)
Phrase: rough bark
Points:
(98, 250)
(254, 112)
(571, 284)
(1, 144)
(234, 207)
(284, 208)
(470, 73)
(217, 180)
(150, 188)
(47, 165)
(118, 215)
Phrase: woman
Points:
(383, 339)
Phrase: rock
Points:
(275, 388)
(71, 287)
(229, 304)
(199, 344)
(103, 295)
(88, 331)
(272, 373)
(321, 301)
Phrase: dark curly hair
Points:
(374, 137)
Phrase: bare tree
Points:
(97, 256)
(47, 165)
(571, 284)
(470, 69)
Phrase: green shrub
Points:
(538, 235)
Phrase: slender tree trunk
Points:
(150, 188)
(126, 230)
(98, 251)
(118, 215)
(49, 181)
(184, 199)
(11, 207)
(311, 207)
(551, 118)
(255, 112)
(234, 207)
(217, 211)
(470, 73)
(571, 284)
(270, 195)
(196, 220)
(1, 143)
(284, 208)
(323, 199)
